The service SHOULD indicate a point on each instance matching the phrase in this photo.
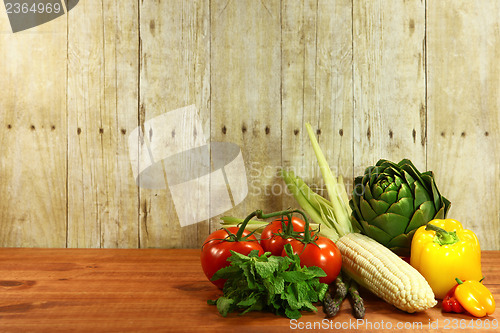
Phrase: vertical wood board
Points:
(245, 94)
(389, 82)
(174, 73)
(33, 136)
(464, 118)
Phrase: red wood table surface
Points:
(110, 290)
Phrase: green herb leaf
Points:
(224, 305)
(269, 283)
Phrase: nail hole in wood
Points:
(443, 134)
(243, 128)
(391, 134)
(486, 133)
(463, 134)
(101, 130)
(369, 132)
(124, 131)
(318, 131)
(78, 131)
(268, 130)
(341, 132)
(414, 135)
(296, 132)
(32, 127)
(9, 126)
(52, 127)
(224, 129)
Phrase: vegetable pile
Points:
(395, 211)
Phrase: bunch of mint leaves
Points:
(269, 283)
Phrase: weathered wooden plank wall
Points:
(376, 79)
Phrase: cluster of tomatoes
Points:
(313, 250)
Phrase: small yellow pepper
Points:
(475, 298)
(442, 251)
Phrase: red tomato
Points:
(274, 243)
(325, 255)
(216, 250)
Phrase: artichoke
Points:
(391, 201)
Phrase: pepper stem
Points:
(443, 237)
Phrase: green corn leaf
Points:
(330, 181)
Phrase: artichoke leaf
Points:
(354, 203)
(399, 241)
(405, 192)
(377, 191)
(393, 187)
(367, 192)
(417, 176)
(417, 220)
(401, 244)
(402, 207)
(428, 210)
(358, 189)
(372, 174)
(355, 223)
(367, 211)
(398, 181)
(421, 195)
(441, 213)
(409, 180)
(378, 206)
(390, 223)
(435, 194)
(376, 233)
(389, 196)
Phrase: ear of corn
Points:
(381, 271)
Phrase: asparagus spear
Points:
(331, 305)
(356, 301)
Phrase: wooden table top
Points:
(160, 290)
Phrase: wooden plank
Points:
(33, 135)
(86, 167)
(174, 73)
(317, 88)
(389, 82)
(115, 290)
(102, 106)
(334, 87)
(246, 96)
(119, 225)
(464, 122)
(298, 85)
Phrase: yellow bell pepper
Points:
(475, 298)
(443, 250)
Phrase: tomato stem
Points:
(260, 215)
